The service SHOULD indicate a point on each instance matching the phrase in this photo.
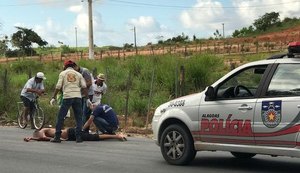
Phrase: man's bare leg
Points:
(108, 136)
(45, 134)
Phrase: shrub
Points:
(201, 70)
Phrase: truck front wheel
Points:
(177, 146)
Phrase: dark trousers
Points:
(104, 126)
(86, 111)
(76, 105)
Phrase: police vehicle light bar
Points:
(293, 51)
(294, 47)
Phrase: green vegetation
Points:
(134, 74)
(23, 39)
(269, 22)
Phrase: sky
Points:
(62, 21)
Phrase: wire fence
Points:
(226, 46)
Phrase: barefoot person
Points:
(68, 134)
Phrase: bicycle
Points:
(38, 116)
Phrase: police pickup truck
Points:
(254, 109)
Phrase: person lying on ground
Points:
(68, 134)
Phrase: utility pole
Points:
(134, 32)
(223, 31)
(91, 37)
(76, 38)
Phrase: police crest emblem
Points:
(271, 113)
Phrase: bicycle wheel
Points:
(22, 122)
(38, 118)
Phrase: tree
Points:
(180, 38)
(194, 37)
(127, 46)
(217, 35)
(266, 21)
(243, 32)
(24, 38)
(3, 45)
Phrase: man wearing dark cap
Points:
(34, 87)
(70, 82)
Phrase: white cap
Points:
(40, 75)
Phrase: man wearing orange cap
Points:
(70, 82)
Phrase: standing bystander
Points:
(86, 99)
(100, 89)
(70, 82)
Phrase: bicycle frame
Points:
(36, 115)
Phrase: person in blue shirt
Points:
(104, 118)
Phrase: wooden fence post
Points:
(52, 56)
(128, 86)
(200, 48)
(182, 81)
(124, 54)
(150, 98)
(107, 83)
(94, 72)
(5, 82)
(176, 81)
(119, 56)
(152, 49)
(29, 74)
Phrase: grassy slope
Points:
(200, 70)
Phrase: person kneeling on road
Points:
(104, 118)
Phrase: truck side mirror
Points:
(210, 94)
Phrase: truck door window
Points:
(243, 84)
(285, 81)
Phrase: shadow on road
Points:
(259, 164)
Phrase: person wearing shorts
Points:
(69, 134)
(34, 87)
(85, 136)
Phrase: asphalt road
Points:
(137, 155)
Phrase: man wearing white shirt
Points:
(100, 89)
(34, 87)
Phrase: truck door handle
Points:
(245, 107)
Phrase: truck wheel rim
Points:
(174, 145)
